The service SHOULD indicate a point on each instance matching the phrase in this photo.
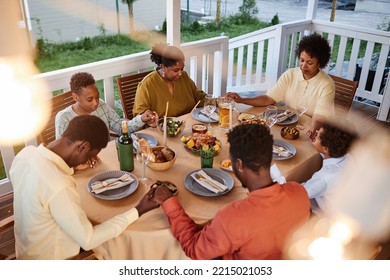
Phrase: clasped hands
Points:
(153, 198)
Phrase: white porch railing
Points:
(249, 71)
(252, 62)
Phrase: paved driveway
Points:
(368, 13)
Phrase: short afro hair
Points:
(315, 46)
(338, 140)
(88, 128)
(252, 143)
(80, 80)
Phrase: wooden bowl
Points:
(161, 166)
(289, 132)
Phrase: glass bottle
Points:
(125, 149)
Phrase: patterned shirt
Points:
(104, 112)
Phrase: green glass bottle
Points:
(125, 149)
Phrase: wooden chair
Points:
(59, 103)
(7, 236)
(127, 87)
(345, 92)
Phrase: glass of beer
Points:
(226, 111)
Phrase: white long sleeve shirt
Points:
(49, 220)
(318, 186)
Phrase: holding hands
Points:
(150, 118)
(234, 96)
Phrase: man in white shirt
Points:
(49, 220)
(333, 143)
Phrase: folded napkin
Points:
(213, 116)
(207, 182)
(111, 184)
(276, 175)
(281, 151)
(285, 115)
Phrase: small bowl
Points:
(199, 128)
(289, 132)
(161, 166)
(175, 126)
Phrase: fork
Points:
(201, 178)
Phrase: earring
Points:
(240, 170)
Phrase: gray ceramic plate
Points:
(217, 174)
(116, 193)
(152, 141)
(285, 145)
(197, 115)
(288, 121)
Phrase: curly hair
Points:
(88, 128)
(252, 143)
(167, 55)
(315, 46)
(80, 80)
(337, 140)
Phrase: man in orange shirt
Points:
(252, 228)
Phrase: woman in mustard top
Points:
(169, 82)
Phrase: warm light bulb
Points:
(324, 248)
(24, 107)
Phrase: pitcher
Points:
(227, 112)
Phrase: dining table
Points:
(150, 237)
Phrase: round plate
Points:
(197, 115)
(116, 193)
(288, 121)
(152, 141)
(285, 145)
(218, 175)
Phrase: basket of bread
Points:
(162, 158)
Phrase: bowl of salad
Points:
(174, 126)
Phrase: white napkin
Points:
(281, 151)
(285, 115)
(209, 186)
(213, 116)
(111, 184)
(276, 175)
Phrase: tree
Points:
(218, 14)
(333, 11)
(131, 15)
(248, 9)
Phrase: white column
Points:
(311, 11)
(173, 22)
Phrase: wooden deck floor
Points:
(363, 116)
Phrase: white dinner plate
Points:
(218, 175)
(197, 115)
(285, 145)
(116, 193)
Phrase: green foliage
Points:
(248, 10)
(384, 25)
(53, 56)
(275, 20)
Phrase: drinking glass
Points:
(144, 155)
(210, 105)
(301, 108)
(271, 115)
